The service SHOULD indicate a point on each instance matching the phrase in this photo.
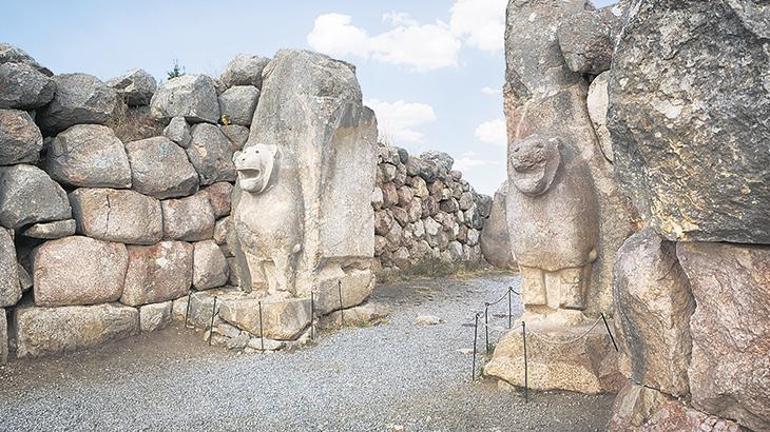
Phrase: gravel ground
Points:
(382, 378)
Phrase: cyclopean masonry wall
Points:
(426, 214)
(115, 202)
(565, 216)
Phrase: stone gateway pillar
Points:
(302, 216)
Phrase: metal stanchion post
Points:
(312, 315)
(187, 312)
(342, 310)
(607, 325)
(486, 327)
(261, 331)
(510, 308)
(475, 336)
(211, 326)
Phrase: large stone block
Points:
(52, 230)
(158, 273)
(20, 139)
(349, 289)
(219, 195)
(586, 40)
(244, 69)
(642, 409)
(282, 319)
(117, 215)
(238, 103)
(155, 316)
(24, 87)
(495, 239)
(189, 219)
(12, 54)
(43, 331)
(210, 269)
(10, 290)
(78, 271)
(653, 305)
(160, 168)
(28, 196)
(89, 155)
(730, 330)
(211, 155)
(136, 87)
(79, 98)
(193, 97)
(695, 159)
(572, 358)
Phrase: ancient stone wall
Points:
(426, 214)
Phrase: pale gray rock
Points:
(117, 215)
(730, 330)
(427, 320)
(160, 168)
(29, 196)
(586, 41)
(237, 134)
(156, 316)
(282, 319)
(693, 159)
(24, 87)
(10, 289)
(158, 273)
(88, 155)
(136, 87)
(211, 155)
(222, 230)
(12, 54)
(598, 105)
(443, 160)
(495, 240)
(193, 97)
(178, 131)
(79, 98)
(237, 104)
(78, 271)
(350, 290)
(219, 195)
(210, 269)
(46, 331)
(653, 305)
(244, 69)
(52, 230)
(188, 219)
(20, 139)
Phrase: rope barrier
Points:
(569, 341)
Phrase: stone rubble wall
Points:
(425, 213)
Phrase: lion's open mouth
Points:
(249, 173)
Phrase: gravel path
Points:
(358, 379)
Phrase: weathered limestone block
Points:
(20, 139)
(188, 219)
(201, 305)
(24, 87)
(586, 41)
(159, 168)
(178, 131)
(312, 183)
(244, 69)
(52, 230)
(156, 316)
(543, 96)
(553, 223)
(282, 319)
(89, 155)
(643, 409)
(117, 215)
(78, 271)
(653, 305)
(80, 98)
(44, 331)
(211, 155)
(237, 134)
(10, 290)
(193, 97)
(694, 160)
(598, 106)
(730, 330)
(158, 273)
(238, 103)
(559, 358)
(136, 87)
(495, 240)
(12, 54)
(28, 196)
(354, 287)
(219, 195)
(210, 269)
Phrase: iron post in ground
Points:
(211, 326)
(486, 327)
(312, 315)
(607, 326)
(342, 310)
(261, 331)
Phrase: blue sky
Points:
(432, 69)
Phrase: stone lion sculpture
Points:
(553, 217)
(268, 218)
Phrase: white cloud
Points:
(481, 23)
(399, 120)
(468, 161)
(492, 132)
(489, 91)
(423, 47)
